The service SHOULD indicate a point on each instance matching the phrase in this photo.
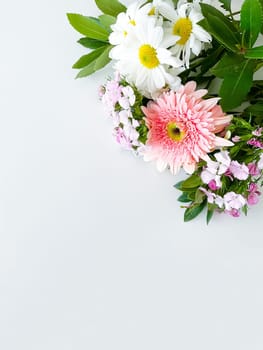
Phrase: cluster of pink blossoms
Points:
(215, 172)
(178, 129)
(119, 101)
(254, 141)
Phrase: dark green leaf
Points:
(91, 43)
(245, 209)
(210, 10)
(255, 53)
(261, 3)
(226, 4)
(178, 185)
(184, 198)
(87, 59)
(209, 61)
(236, 86)
(209, 215)
(88, 27)
(110, 7)
(251, 21)
(255, 110)
(229, 64)
(192, 212)
(222, 32)
(234, 151)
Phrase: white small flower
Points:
(219, 201)
(115, 119)
(207, 177)
(214, 170)
(224, 160)
(260, 162)
(239, 171)
(128, 97)
(210, 196)
(233, 200)
(124, 116)
(135, 123)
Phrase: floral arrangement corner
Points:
(184, 92)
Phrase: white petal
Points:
(189, 167)
(161, 165)
(220, 142)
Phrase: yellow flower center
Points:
(148, 56)
(183, 28)
(174, 132)
(132, 22)
(152, 11)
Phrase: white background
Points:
(94, 253)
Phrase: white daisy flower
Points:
(126, 21)
(145, 62)
(184, 24)
(160, 7)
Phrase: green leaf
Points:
(199, 196)
(192, 212)
(103, 59)
(87, 59)
(245, 209)
(210, 61)
(242, 123)
(91, 43)
(209, 215)
(251, 21)
(255, 110)
(236, 85)
(175, 3)
(88, 27)
(184, 198)
(96, 64)
(229, 64)
(110, 7)
(226, 4)
(222, 32)
(210, 10)
(261, 3)
(178, 185)
(107, 21)
(88, 70)
(192, 182)
(255, 53)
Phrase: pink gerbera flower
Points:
(182, 128)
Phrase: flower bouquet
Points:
(184, 92)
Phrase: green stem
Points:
(232, 14)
